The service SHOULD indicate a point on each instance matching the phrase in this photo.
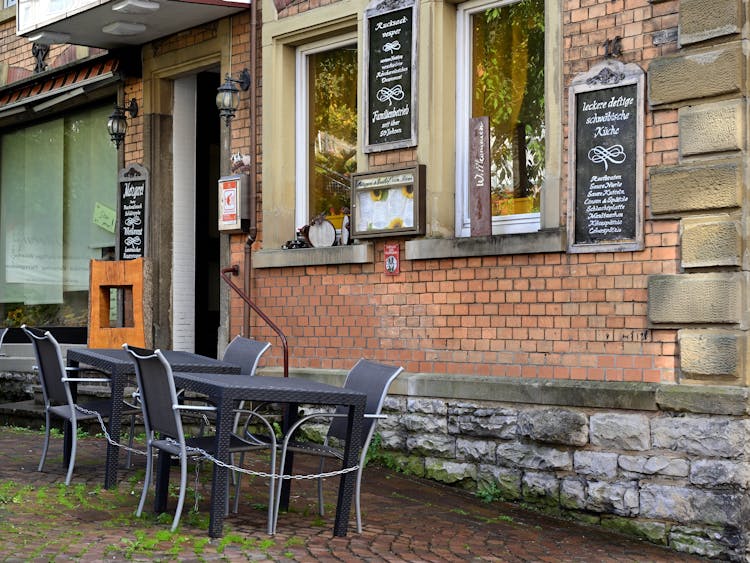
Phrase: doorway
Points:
(195, 234)
(207, 245)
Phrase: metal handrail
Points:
(235, 270)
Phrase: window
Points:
(501, 75)
(57, 211)
(8, 3)
(326, 130)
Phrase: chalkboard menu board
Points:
(391, 77)
(133, 185)
(605, 208)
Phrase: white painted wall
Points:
(183, 230)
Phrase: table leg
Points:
(348, 480)
(115, 424)
(290, 415)
(161, 488)
(220, 485)
(67, 426)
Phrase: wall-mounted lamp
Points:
(228, 96)
(117, 123)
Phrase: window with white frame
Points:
(326, 129)
(501, 75)
(8, 3)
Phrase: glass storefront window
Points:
(332, 130)
(507, 85)
(57, 180)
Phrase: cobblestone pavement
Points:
(405, 519)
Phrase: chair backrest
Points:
(50, 365)
(245, 352)
(373, 379)
(3, 332)
(158, 392)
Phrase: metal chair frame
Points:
(370, 377)
(59, 398)
(162, 414)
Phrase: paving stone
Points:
(404, 519)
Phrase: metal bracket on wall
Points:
(40, 52)
(613, 47)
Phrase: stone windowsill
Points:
(548, 240)
(7, 14)
(352, 254)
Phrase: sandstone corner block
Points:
(711, 128)
(711, 241)
(710, 353)
(698, 74)
(706, 19)
(675, 189)
(695, 298)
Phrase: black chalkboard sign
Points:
(133, 183)
(391, 48)
(606, 202)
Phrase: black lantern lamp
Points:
(228, 96)
(117, 123)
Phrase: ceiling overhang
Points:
(111, 24)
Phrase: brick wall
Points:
(543, 315)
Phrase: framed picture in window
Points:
(388, 203)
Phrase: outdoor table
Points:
(119, 366)
(225, 391)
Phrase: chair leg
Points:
(46, 440)
(146, 478)
(277, 499)
(271, 491)
(128, 459)
(237, 480)
(183, 486)
(321, 509)
(73, 448)
(357, 507)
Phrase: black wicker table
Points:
(225, 390)
(119, 366)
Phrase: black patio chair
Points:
(162, 416)
(59, 398)
(246, 352)
(371, 378)
(3, 332)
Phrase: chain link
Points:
(204, 454)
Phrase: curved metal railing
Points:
(235, 270)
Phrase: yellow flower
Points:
(379, 195)
(408, 191)
(396, 223)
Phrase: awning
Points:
(43, 93)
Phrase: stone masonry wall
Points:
(705, 81)
(677, 479)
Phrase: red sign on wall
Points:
(392, 261)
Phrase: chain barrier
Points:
(205, 455)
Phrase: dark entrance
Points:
(207, 247)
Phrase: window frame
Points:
(302, 118)
(550, 193)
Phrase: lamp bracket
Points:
(132, 108)
(244, 79)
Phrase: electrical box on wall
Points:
(234, 210)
